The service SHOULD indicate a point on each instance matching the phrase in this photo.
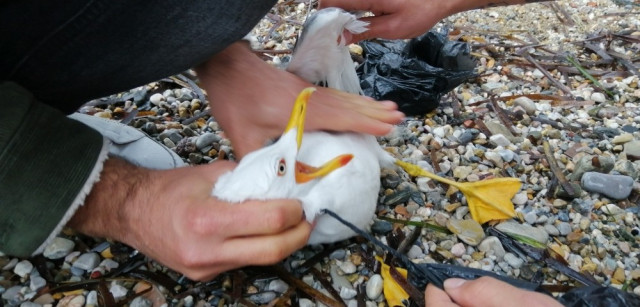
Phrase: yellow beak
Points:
(298, 114)
(306, 173)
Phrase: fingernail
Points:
(452, 283)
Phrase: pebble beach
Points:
(554, 103)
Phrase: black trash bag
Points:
(598, 296)
(420, 275)
(414, 74)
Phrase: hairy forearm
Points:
(107, 209)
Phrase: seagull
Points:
(322, 57)
(272, 171)
(347, 181)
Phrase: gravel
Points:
(592, 130)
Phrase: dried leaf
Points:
(393, 292)
(488, 199)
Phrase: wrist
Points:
(114, 202)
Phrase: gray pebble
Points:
(23, 268)
(551, 230)
(140, 302)
(374, 287)
(415, 252)
(277, 285)
(513, 260)
(381, 227)
(30, 304)
(13, 295)
(564, 228)
(58, 248)
(305, 302)
(538, 234)
(492, 243)
(36, 283)
(347, 293)
(612, 186)
(87, 261)
(206, 140)
(263, 297)
(531, 217)
(338, 254)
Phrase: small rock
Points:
(632, 150)
(598, 97)
(156, 99)
(206, 140)
(520, 198)
(531, 217)
(23, 268)
(461, 172)
(305, 302)
(611, 209)
(140, 302)
(612, 186)
(381, 227)
(36, 283)
(117, 291)
(338, 254)
(277, 285)
(623, 138)
(415, 252)
(499, 140)
(71, 301)
(87, 261)
(347, 267)
(263, 297)
(58, 248)
(492, 243)
(513, 260)
(374, 287)
(538, 234)
(458, 250)
(347, 293)
(551, 230)
(564, 228)
(527, 104)
(92, 299)
(468, 231)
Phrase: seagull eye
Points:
(282, 167)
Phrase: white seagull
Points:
(348, 181)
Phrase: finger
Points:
(487, 291)
(253, 218)
(265, 250)
(435, 297)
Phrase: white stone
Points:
(499, 140)
(23, 268)
(598, 97)
(374, 287)
(156, 99)
(58, 248)
(513, 260)
(87, 261)
(305, 302)
(347, 267)
(520, 199)
(458, 249)
(347, 293)
(117, 291)
(36, 283)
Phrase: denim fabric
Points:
(68, 52)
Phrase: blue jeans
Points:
(68, 52)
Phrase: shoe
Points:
(131, 144)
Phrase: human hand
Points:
(170, 216)
(252, 100)
(395, 19)
(484, 291)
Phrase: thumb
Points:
(487, 291)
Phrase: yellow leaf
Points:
(393, 292)
(488, 199)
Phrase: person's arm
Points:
(170, 216)
(410, 18)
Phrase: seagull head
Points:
(272, 171)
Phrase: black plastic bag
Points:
(414, 74)
(598, 296)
